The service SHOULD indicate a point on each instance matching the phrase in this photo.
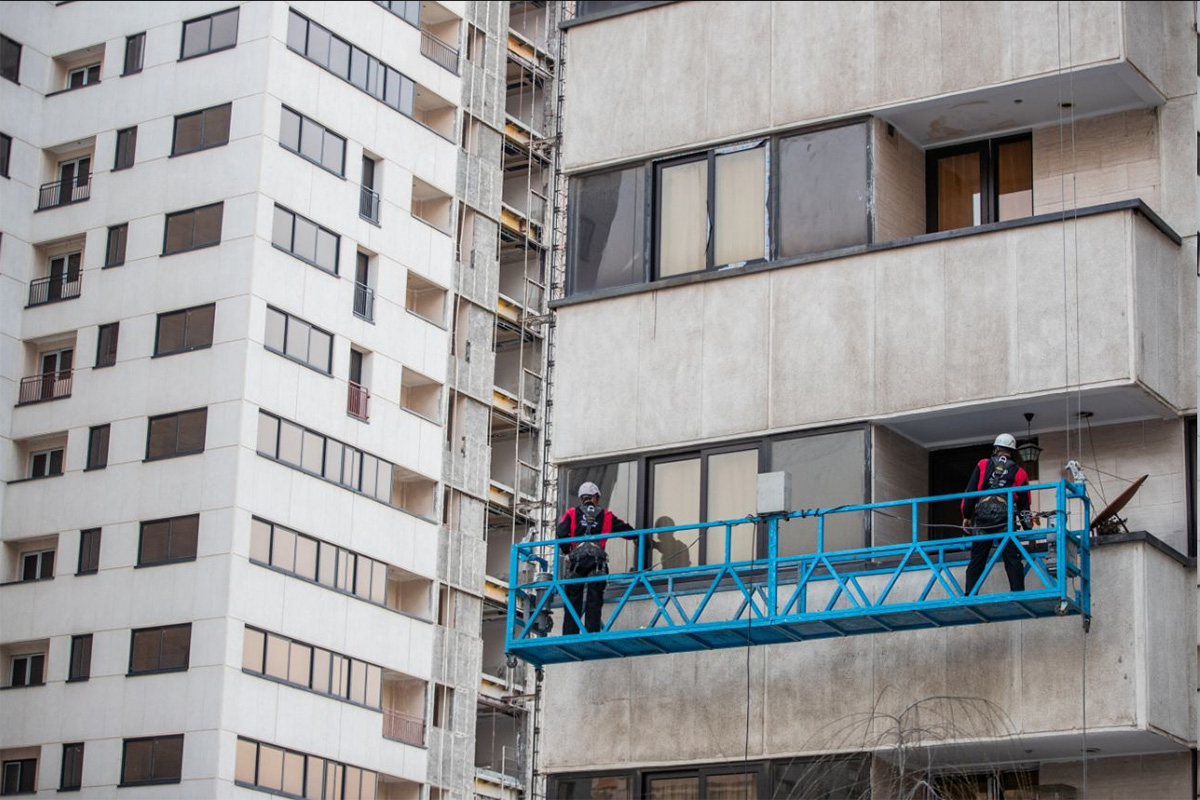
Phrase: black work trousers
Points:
(980, 550)
(587, 599)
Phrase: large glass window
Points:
(608, 216)
(201, 130)
(10, 59)
(823, 197)
(682, 218)
(157, 759)
(181, 331)
(168, 540)
(126, 148)
(178, 434)
(193, 229)
(312, 140)
(293, 337)
(209, 34)
(135, 51)
(305, 239)
(164, 649)
(980, 182)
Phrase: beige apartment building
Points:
(854, 242)
(271, 362)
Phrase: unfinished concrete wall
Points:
(898, 176)
(670, 90)
(899, 470)
(871, 335)
(473, 363)
(837, 694)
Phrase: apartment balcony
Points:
(357, 399)
(517, 222)
(401, 727)
(439, 52)
(368, 204)
(364, 302)
(47, 386)
(954, 325)
(54, 289)
(64, 192)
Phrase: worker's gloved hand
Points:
(1027, 520)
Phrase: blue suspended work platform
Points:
(801, 588)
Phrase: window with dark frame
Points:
(407, 10)
(114, 253)
(162, 649)
(81, 658)
(296, 774)
(71, 777)
(126, 148)
(299, 340)
(166, 541)
(19, 777)
(201, 130)
(156, 759)
(27, 669)
(185, 330)
(5, 153)
(89, 552)
(193, 229)
(135, 47)
(46, 463)
(311, 140)
(10, 59)
(179, 434)
(106, 344)
(979, 182)
(98, 447)
(209, 34)
(311, 667)
(305, 239)
(37, 565)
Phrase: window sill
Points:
(110, 266)
(131, 72)
(198, 149)
(36, 478)
(164, 671)
(121, 169)
(180, 352)
(95, 469)
(189, 58)
(87, 572)
(168, 456)
(314, 162)
(159, 782)
(22, 686)
(18, 583)
(166, 253)
(326, 270)
(73, 89)
(79, 680)
(295, 360)
(164, 563)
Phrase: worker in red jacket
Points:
(585, 559)
(989, 514)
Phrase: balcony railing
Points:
(62, 193)
(356, 403)
(368, 204)
(401, 727)
(53, 289)
(364, 301)
(47, 386)
(439, 52)
(507, 762)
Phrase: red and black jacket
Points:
(976, 484)
(569, 526)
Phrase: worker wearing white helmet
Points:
(990, 514)
(587, 559)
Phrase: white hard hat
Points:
(588, 489)
(1005, 440)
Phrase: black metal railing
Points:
(439, 52)
(47, 386)
(62, 193)
(356, 402)
(368, 204)
(364, 301)
(51, 290)
(402, 727)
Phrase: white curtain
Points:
(683, 219)
(741, 206)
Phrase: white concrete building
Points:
(227, 281)
(854, 242)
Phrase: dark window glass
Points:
(160, 649)
(313, 141)
(106, 344)
(134, 51)
(83, 76)
(72, 767)
(168, 540)
(38, 566)
(28, 670)
(5, 153)
(407, 10)
(607, 229)
(178, 434)
(114, 254)
(305, 239)
(181, 331)
(19, 777)
(46, 464)
(81, 658)
(979, 183)
(193, 229)
(823, 191)
(89, 551)
(155, 760)
(209, 34)
(126, 147)
(295, 338)
(98, 447)
(587, 7)
(201, 130)
(10, 59)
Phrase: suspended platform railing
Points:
(792, 596)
